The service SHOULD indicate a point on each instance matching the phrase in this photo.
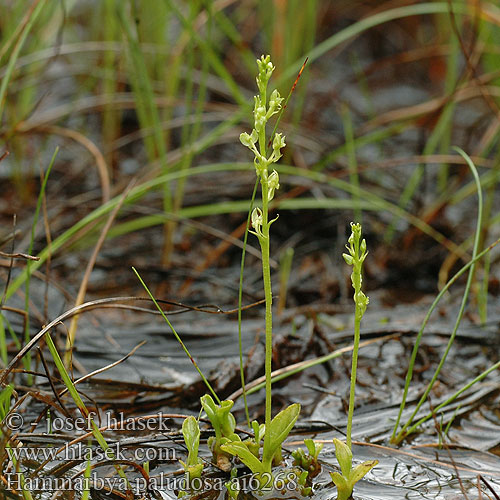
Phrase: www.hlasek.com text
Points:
(82, 452)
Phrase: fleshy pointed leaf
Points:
(191, 433)
(240, 450)
(280, 427)
(210, 407)
(344, 456)
(344, 490)
(361, 470)
(311, 448)
(228, 424)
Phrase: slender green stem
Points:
(354, 366)
(268, 294)
(266, 274)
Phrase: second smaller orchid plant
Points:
(346, 480)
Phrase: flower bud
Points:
(348, 259)
(246, 140)
(266, 69)
(362, 247)
(259, 114)
(274, 103)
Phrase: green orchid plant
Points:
(276, 433)
(191, 432)
(345, 482)
(253, 444)
(308, 462)
(276, 429)
(303, 480)
(343, 451)
(224, 424)
(232, 486)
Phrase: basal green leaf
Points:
(240, 450)
(344, 489)
(280, 427)
(361, 470)
(191, 433)
(210, 408)
(344, 456)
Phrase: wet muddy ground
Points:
(158, 379)
(139, 371)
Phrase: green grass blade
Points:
(81, 405)
(40, 4)
(351, 157)
(30, 251)
(370, 22)
(453, 397)
(211, 56)
(176, 335)
(370, 201)
(433, 306)
(240, 298)
(475, 252)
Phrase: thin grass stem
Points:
(176, 335)
(240, 299)
(401, 434)
(40, 4)
(81, 405)
(29, 262)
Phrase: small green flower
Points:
(273, 183)
(249, 140)
(278, 143)
(256, 219)
(274, 104)
(259, 114)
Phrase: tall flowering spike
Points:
(356, 256)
